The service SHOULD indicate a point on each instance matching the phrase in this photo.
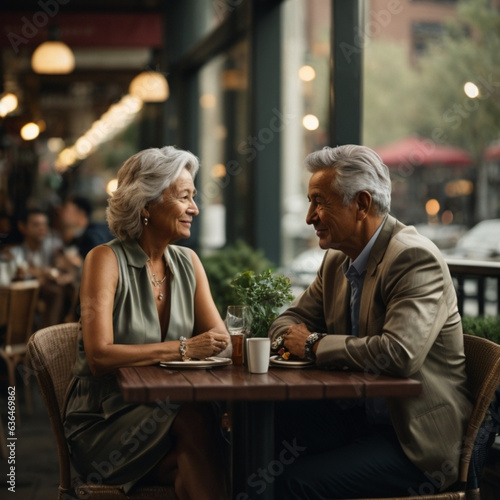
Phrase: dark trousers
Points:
(339, 455)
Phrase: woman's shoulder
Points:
(179, 252)
(101, 265)
(101, 253)
(122, 249)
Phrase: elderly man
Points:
(382, 302)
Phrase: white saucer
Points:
(197, 363)
(276, 361)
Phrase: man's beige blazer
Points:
(409, 326)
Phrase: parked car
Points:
(444, 236)
(303, 268)
(482, 242)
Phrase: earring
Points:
(146, 221)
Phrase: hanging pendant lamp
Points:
(150, 86)
(53, 56)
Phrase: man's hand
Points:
(295, 340)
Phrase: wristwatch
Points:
(310, 341)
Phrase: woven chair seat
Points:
(482, 364)
(52, 353)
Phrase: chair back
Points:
(4, 305)
(52, 352)
(482, 364)
(21, 305)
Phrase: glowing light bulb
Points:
(471, 90)
(111, 186)
(307, 73)
(310, 122)
(432, 207)
(30, 131)
(8, 103)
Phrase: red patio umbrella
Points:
(492, 152)
(417, 151)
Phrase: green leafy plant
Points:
(223, 265)
(488, 328)
(264, 294)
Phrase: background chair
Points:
(18, 303)
(52, 353)
(482, 363)
(4, 307)
(3, 441)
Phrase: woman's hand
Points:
(207, 344)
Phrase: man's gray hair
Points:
(358, 168)
(141, 182)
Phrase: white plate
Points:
(275, 360)
(197, 363)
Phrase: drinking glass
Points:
(238, 319)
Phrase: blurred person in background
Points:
(77, 228)
(41, 256)
(8, 267)
(36, 255)
(6, 230)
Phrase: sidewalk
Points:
(37, 469)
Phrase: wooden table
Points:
(252, 398)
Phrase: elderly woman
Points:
(145, 300)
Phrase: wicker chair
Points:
(482, 363)
(52, 353)
(18, 302)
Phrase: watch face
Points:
(312, 338)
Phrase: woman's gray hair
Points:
(141, 181)
(358, 168)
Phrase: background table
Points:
(252, 398)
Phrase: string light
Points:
(8, 103)
(307, 73)
(310, 122)
(30, 131)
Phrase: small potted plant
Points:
(264, 294)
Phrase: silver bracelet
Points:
(277, 343)
(183, 349)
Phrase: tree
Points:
(469, 52)
(388, 87)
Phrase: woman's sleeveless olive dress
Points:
(111, 441)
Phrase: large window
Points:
(224, 189)
(428, 110)
(305, 101)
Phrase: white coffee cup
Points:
(258, 351)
